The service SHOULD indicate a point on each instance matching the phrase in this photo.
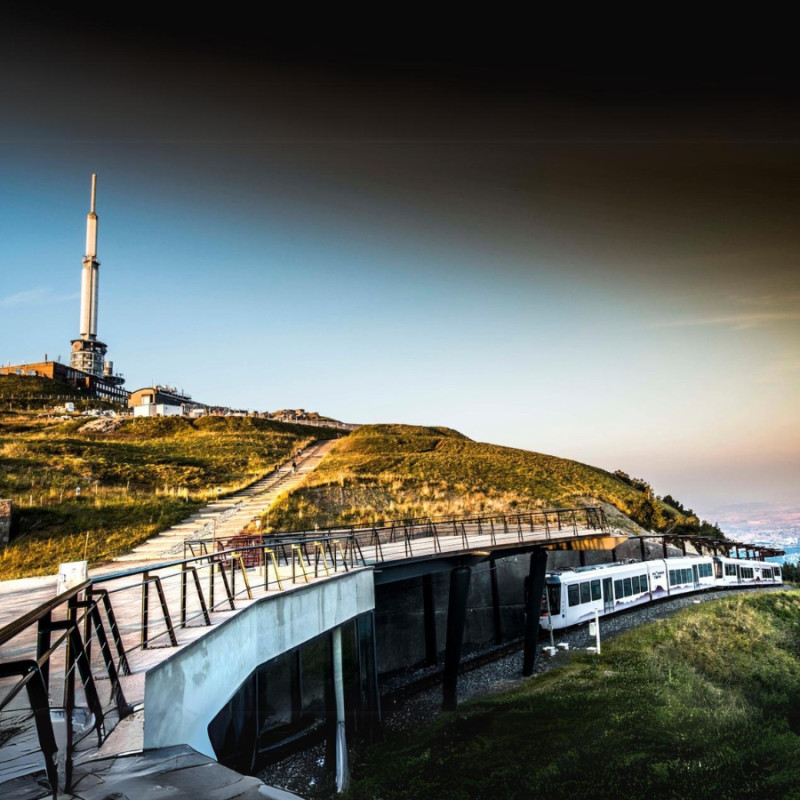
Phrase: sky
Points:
(543, 238)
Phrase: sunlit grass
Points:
(385, 472)
(134, 481)
(703, 705)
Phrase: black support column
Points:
(429, 613)
(497, 616)
(456, 616)
(533, 608)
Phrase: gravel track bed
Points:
(305, 773)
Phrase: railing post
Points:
(145, 608)
(124, 667)
(69, 702)
(165, 611)
(43, 645)
(183, 595)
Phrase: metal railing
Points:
(550, 522)
(65, 629)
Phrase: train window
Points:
(626, 582)
(730, 569)
(766, 573)
(672, 579)
(705, 570)
(643, 583)
(596, 590)
(554, 593)
(618, 589)
(573, 593)
(586, 594)
(747, 572)
(635, 584)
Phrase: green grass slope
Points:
(703, 705)
(384, 472)
(135, 480)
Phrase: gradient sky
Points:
(558, 245)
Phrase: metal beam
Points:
(429, 615)
(533, 608)
(456, 616)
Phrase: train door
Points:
(608, 595)
(695, 576)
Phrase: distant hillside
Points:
(31, 386)
(383, 472)
(137, 478)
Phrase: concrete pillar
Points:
(342, 771)
(429, 615)
(642, 548)
(456, 616)
(533, 608)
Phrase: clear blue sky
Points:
(598, 263)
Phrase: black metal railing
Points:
(64, 629)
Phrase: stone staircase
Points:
(227, 517)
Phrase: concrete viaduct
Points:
(241, 654)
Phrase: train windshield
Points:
(554, 595)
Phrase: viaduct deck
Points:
(95, 648)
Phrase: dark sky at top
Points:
(637, 168)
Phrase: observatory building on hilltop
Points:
(88, 352)
(88, 368)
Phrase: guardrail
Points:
(100, 629)
(549, 521)
(81, 622)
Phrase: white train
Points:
(573, 595)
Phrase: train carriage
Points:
(689, 574)
(573, 595)
(740, 572)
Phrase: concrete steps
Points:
(227, 517)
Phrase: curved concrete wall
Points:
(183, 693)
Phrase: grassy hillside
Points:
(395, 471)
(135, 480)
(703, 705)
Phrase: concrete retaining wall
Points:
(185, 692)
